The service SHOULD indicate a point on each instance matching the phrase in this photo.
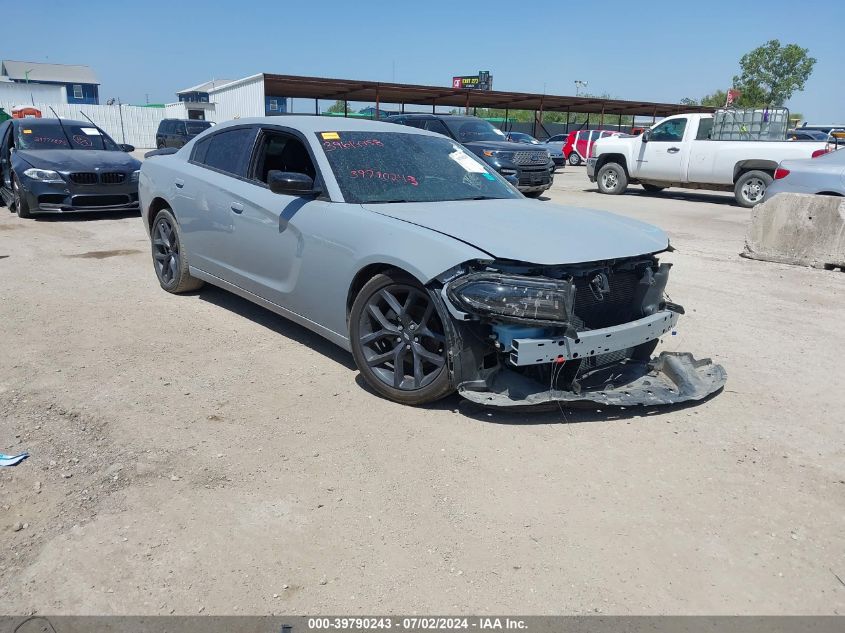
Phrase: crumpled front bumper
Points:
(670, 378)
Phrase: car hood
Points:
(78, 160)
(502, 146)
(532, 231)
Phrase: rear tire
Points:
(170, 259)
(751, 187)
(574, 159)
(398, 340)
(19, 201)
(612, 179)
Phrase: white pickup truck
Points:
(678, 152)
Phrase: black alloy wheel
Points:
(169, 256)
(398, 340)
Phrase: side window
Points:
(672, 131)
(436, 126)
(227, 151)
(200, 149)
(77, 91)
(705, 126)
(179, 128)
(419, 123)
(282, 152)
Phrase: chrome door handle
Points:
(673, 150)
(179, 183)
(237, 207)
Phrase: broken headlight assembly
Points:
(514, 297)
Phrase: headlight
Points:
(489, 153)
(43, 175)
(520, 298)
(135, 175)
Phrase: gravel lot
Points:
(199, 454)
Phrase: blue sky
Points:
(655, 51)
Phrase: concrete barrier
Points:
(800, 229)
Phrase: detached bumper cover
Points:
(591, 169)
(670, 378)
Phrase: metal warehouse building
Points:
(267, 94)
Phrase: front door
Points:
(662, 158)
(268, 240)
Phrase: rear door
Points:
(664, 157)
(207, 191)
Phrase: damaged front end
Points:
(527, 335)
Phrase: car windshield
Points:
(42, 135)
(469, 130)
(197, 127)
(519, 137)
(398, 167)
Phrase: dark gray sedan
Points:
(53, 166)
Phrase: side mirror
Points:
(127, 148)
(646, 136)
(291, 183)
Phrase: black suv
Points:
(177, 132)
(532, 168)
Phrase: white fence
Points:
(125, 124)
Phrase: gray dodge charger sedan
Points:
(401, 246)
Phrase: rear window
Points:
(226, 151)
(197, 127)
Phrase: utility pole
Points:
(578, 85)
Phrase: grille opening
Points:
(100, 201)
(51, 198)
(84, 178)
(615, 307)
(112, 178)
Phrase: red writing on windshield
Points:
(331, 146)
(383, 175)
(49, 139)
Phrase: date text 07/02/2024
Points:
(416, 623)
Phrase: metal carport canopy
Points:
(379, 92)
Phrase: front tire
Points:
(21, 206)
(170, 259)
(751, 187)
(612, 179)
(574, 159)
(398, 340)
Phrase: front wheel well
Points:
(604, 159)
(155, 206)
(362, 277)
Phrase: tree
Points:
(337, 107)
(715, 100)
(771, 73)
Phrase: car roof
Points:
(33, 120)
(313, 124)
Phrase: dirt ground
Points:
(198, 454)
